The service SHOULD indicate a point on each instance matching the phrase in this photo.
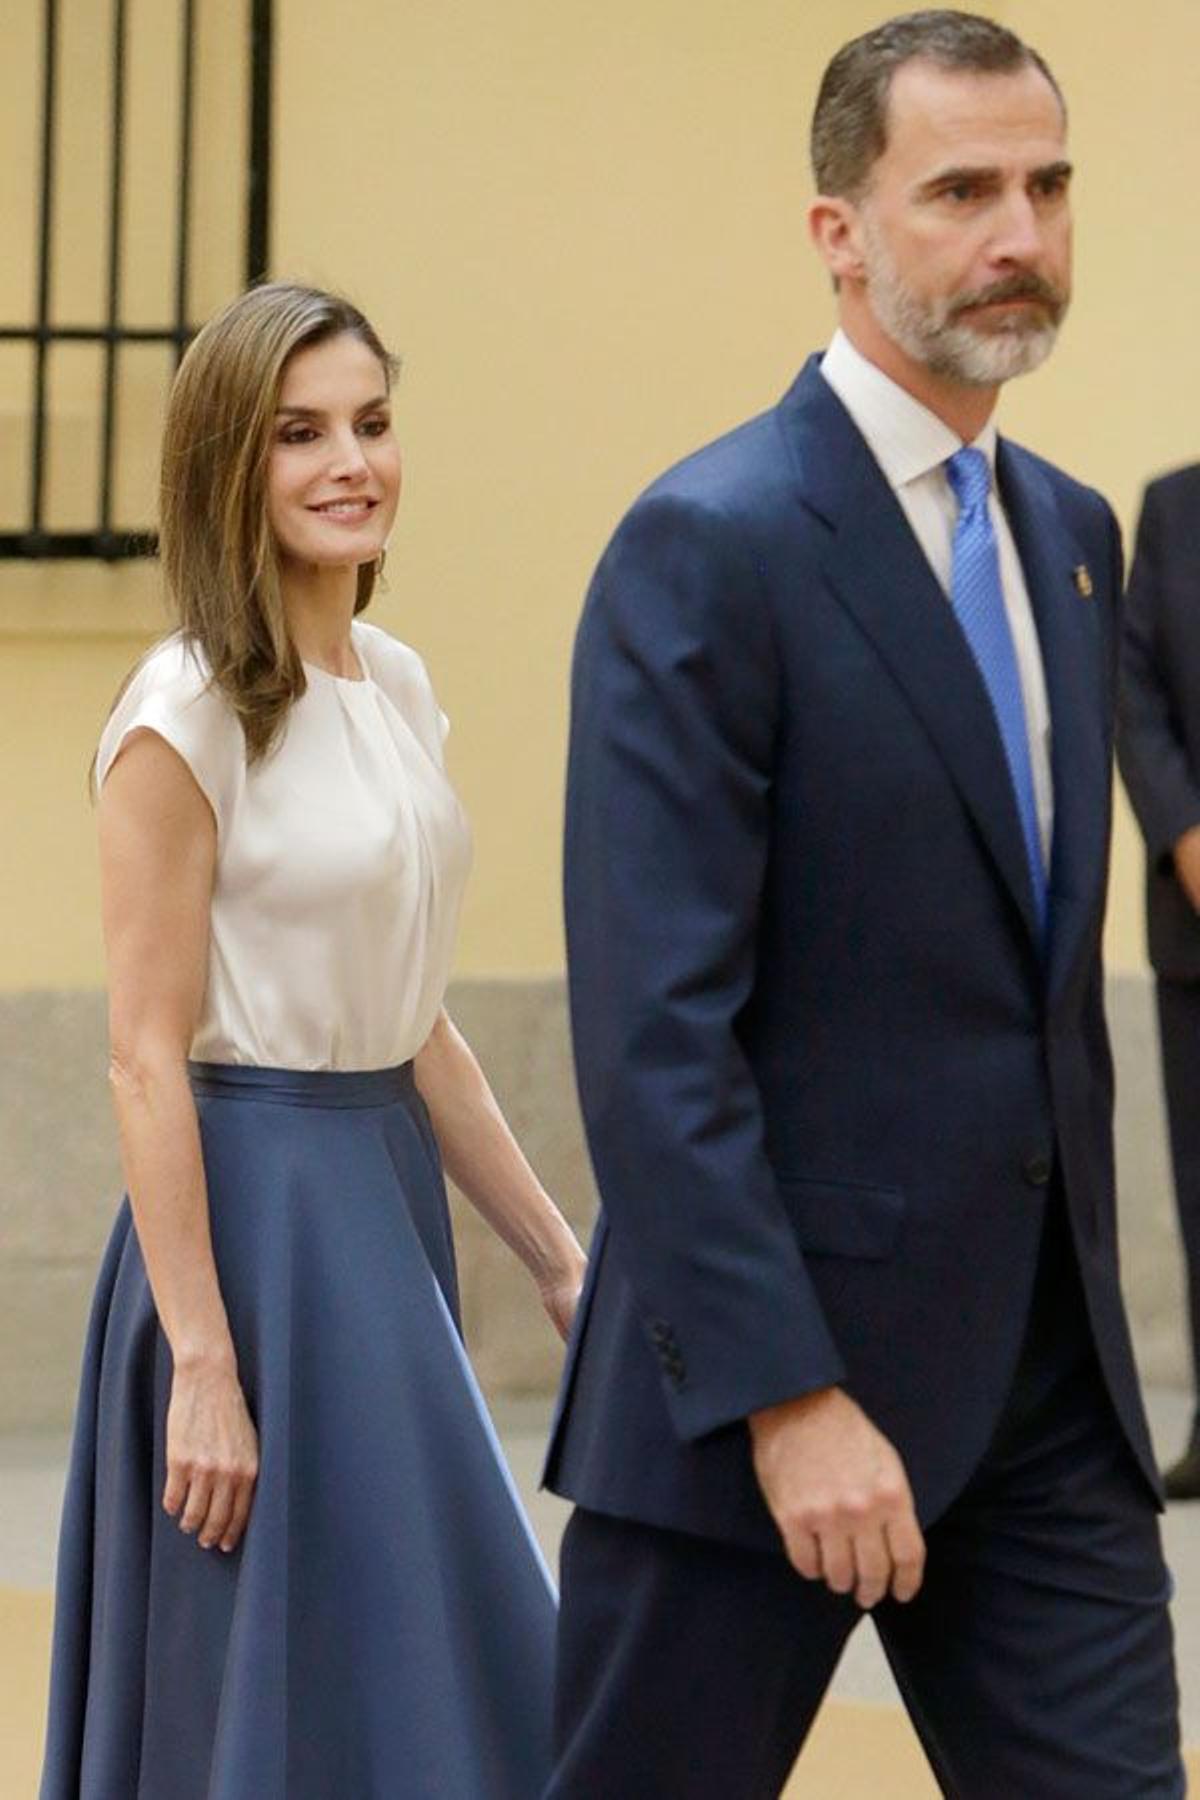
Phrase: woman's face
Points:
(333, 478)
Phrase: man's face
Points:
(965, 227)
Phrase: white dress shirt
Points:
(911, 446)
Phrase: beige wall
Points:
(583, 227)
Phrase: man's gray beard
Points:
(924, 330)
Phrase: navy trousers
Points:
(1179, 1037)
(1036, 1662)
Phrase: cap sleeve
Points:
(170, 694)
(399, 671)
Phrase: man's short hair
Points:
(849, 127)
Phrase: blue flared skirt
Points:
(385, 1629)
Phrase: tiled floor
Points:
(31, 1476)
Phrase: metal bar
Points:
(258, 209)
(111, 546)
(42, 335)
(184, 216)
(117, 174)
(45, 230)
(95, 334)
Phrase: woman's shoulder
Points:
(171, 692)
(387, 658)
(172, 684)
(177, 670)
(397, 668)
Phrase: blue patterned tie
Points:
(978, 601)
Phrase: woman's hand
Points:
(212, 1454)
(560, 1293)
(483, 1158)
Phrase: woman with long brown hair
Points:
(292, 1565)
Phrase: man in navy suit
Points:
(838, 817)
(1158, 746)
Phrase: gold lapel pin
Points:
(1083, 580)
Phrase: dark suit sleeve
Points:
(675, 711)
(1153, 760)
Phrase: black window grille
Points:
(123, 350)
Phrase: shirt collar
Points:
(904, 437)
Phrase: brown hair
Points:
(219, 557)
(849, 126)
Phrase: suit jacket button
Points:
(1037, 1169)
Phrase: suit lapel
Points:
(879, 573)
(1070, 633)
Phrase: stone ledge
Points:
(61, 1183)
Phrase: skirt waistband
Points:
(304, 1087)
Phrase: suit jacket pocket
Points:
(843, 1218)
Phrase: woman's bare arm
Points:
(157, 858)
(484, 1159)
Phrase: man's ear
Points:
(836, 230)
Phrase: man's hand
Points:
(1187, 865)
(838, 1493)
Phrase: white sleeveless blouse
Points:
(341, 858)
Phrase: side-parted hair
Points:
(849, 125)
(219, 557)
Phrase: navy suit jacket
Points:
(828, 1072)
(1158, 735)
